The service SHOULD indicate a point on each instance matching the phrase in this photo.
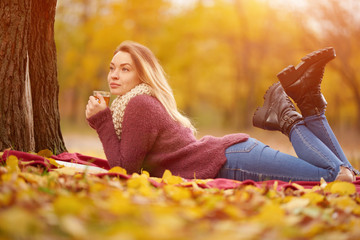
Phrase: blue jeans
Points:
(319, 156)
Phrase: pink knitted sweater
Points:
(153, 141)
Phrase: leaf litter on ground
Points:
(68, 204)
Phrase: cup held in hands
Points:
(106, 96)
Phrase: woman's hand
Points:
(95, 105)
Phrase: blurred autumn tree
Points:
(30, 119)
(88, 33)
(341, 29)
(220, 55)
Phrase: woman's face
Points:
(122, 76)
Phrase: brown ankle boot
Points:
(277, 113)
(345, 175)
(302, 83)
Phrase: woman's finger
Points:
(93, 100)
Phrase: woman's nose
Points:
(114, 74)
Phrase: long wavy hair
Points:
(150, 72)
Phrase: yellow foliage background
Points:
(220, 55)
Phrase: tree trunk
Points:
(43, 75)
(28, 79)
(15, 122)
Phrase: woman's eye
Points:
(125, 69)
(111, 68)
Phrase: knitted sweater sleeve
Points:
(139, 133)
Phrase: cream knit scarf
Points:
(119, 104)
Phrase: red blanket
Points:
(220, 183)
(34, 159)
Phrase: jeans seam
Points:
(245, 150)
(302, 122)
(329, 138)
(303, 138)
(326, 135)
(268, 175)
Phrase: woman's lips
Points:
(114, 85)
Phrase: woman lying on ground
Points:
(144, 130)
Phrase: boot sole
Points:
(261, 112)
(290, 74)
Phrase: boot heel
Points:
(287, 76)
(277, 113)
(261, 112)
(259, 116)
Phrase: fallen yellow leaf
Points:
(118, 170)
(171, 179)
(343, 188)
(12, 164)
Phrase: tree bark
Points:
(15, 122)
(43, 73)
(28, 78)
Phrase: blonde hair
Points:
(150, 72)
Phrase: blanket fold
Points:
(77, 158)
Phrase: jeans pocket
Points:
(246, 146)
